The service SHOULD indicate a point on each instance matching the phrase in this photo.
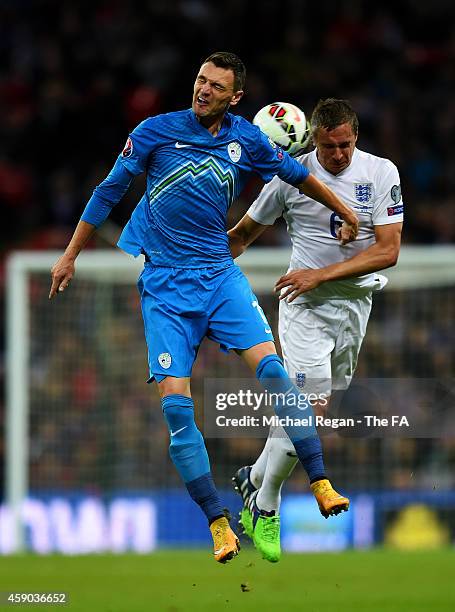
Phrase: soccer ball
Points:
(286, 125)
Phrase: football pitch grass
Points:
(176, 580)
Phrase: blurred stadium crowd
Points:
(77, 77)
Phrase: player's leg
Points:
(307, 341)
(314, 341)
(187, 448)
(348, 343)
(263, 509)
(298, 334)
(291, 407)
(249, 478)
(247, 481)
(237, 322)
(306, 346)
(245, 488)
(348, 321)
(281, 462)
(173, 335)
(258, 468)
(189, 455)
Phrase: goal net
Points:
(87, 465)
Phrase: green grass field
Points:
(185, 581)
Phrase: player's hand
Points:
(61, 273)
(297, 282)
(351, 220)
(347, 233)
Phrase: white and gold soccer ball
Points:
(286, 125)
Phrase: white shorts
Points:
(321, 341)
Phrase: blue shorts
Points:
(180, 307)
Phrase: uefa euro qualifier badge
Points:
(128, 148)
(395, 193)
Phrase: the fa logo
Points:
(363, 192)
(300, 379)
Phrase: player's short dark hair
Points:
(330, 113)
(224, 59)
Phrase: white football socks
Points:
(273, 466)
(258, 469)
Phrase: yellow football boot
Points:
(226, 544)
(329, 501)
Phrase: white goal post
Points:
(419, 267)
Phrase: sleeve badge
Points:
(128, 148)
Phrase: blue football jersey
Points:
(192, 179)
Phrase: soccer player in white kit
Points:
(326, 295)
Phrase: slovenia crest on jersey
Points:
(363, 192)
(165, 360)
(235, 151)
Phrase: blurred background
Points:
(74, 80)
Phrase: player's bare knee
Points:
(255, 354)
(170, 385)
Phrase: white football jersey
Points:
(370, 185)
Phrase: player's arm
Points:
(105, 196)
(63, 269)
(243, 234)
(130, 163)
(319, 191)
(383, 254)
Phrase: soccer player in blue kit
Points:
(197, 162)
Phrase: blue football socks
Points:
(189, 455)
(293, 408)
